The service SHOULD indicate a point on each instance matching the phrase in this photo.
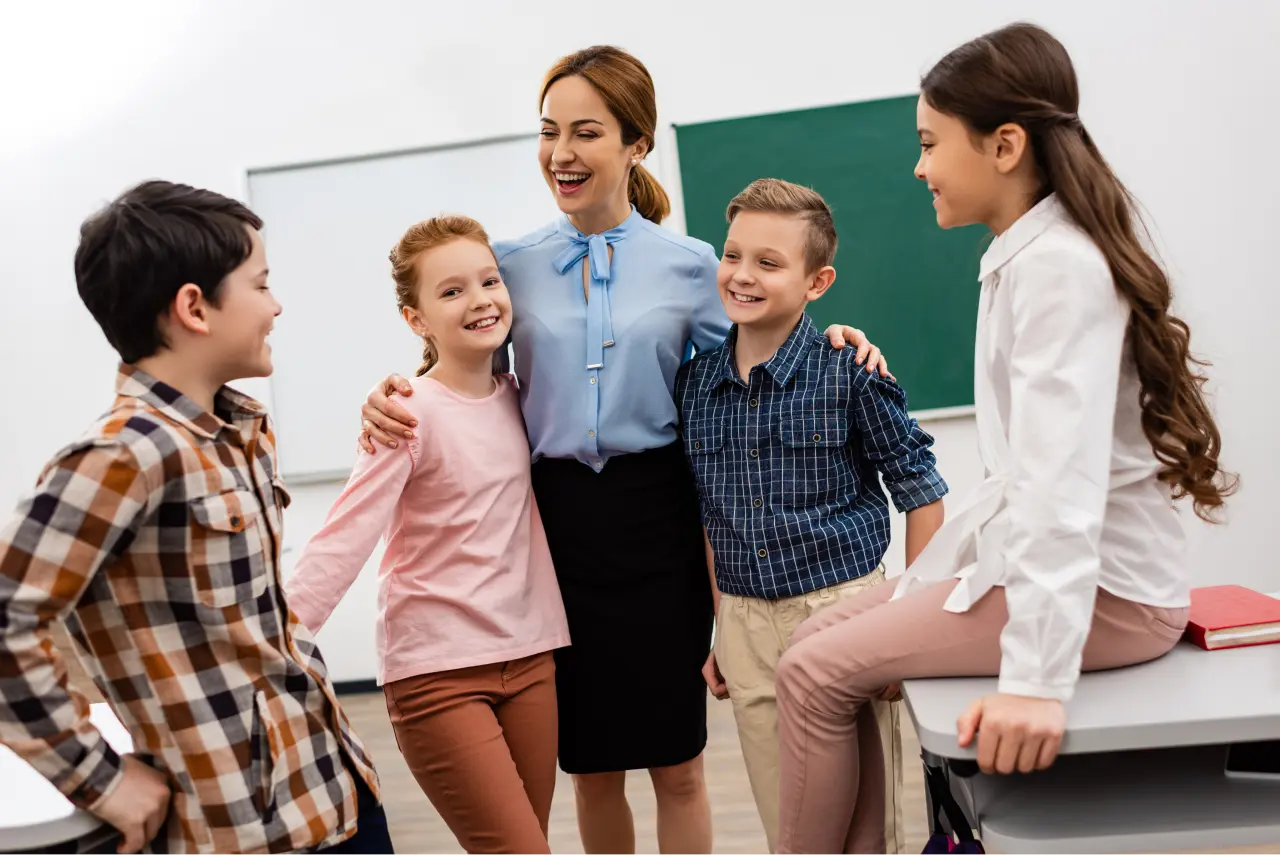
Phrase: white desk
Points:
(1142, 759)
(33, 814)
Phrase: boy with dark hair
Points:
(156, 538)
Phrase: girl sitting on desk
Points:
(1090, 422)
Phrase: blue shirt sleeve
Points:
(682, 386)
(710, 323)
(892, 441)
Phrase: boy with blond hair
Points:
(789, 440)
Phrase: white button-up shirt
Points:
(1071, 500)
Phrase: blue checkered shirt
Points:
(789, 464)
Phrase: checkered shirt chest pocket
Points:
(228, 562)
(815, 448)
(704, 436)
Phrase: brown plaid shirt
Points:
(156, 537)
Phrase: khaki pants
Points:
(751, 636)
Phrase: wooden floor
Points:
(417, 831)
(416, 827)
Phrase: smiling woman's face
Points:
(584, 159)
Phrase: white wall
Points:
(94, 98)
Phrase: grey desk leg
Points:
(961, 789)
(928, 758)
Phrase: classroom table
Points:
(34, 815)
(1141, 767)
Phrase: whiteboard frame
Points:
(317, 163)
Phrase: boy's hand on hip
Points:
(137, 806)
(715, 680)
(1014, 732)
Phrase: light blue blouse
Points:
(597, 375)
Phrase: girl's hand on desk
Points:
(383, 419)
(1014, 732)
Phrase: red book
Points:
(1232, 616)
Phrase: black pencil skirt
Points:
(627, 547)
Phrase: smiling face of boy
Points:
(763, 277)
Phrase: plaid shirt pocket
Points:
(264, 749)
(228, 562)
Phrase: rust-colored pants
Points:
(482, 743)
(831, 766)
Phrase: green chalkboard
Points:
(910, 285)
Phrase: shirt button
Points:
(761, 553)
(593, 381)
(758, 502)
(817, 437)
(697, 446)
(591, 433)
(754, 402)
(755, 452)
(599, 463)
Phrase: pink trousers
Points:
(831, 766)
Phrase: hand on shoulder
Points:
(867, 354)
(384, 420)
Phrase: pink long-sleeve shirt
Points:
(466, 578)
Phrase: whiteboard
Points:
(328, 229)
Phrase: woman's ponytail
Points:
(644, 191)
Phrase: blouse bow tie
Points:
(599, 322)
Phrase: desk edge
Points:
(1138, 737)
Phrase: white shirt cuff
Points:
(1036, 690)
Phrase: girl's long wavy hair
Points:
(1021, 74)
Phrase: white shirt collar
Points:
(1024, 230)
